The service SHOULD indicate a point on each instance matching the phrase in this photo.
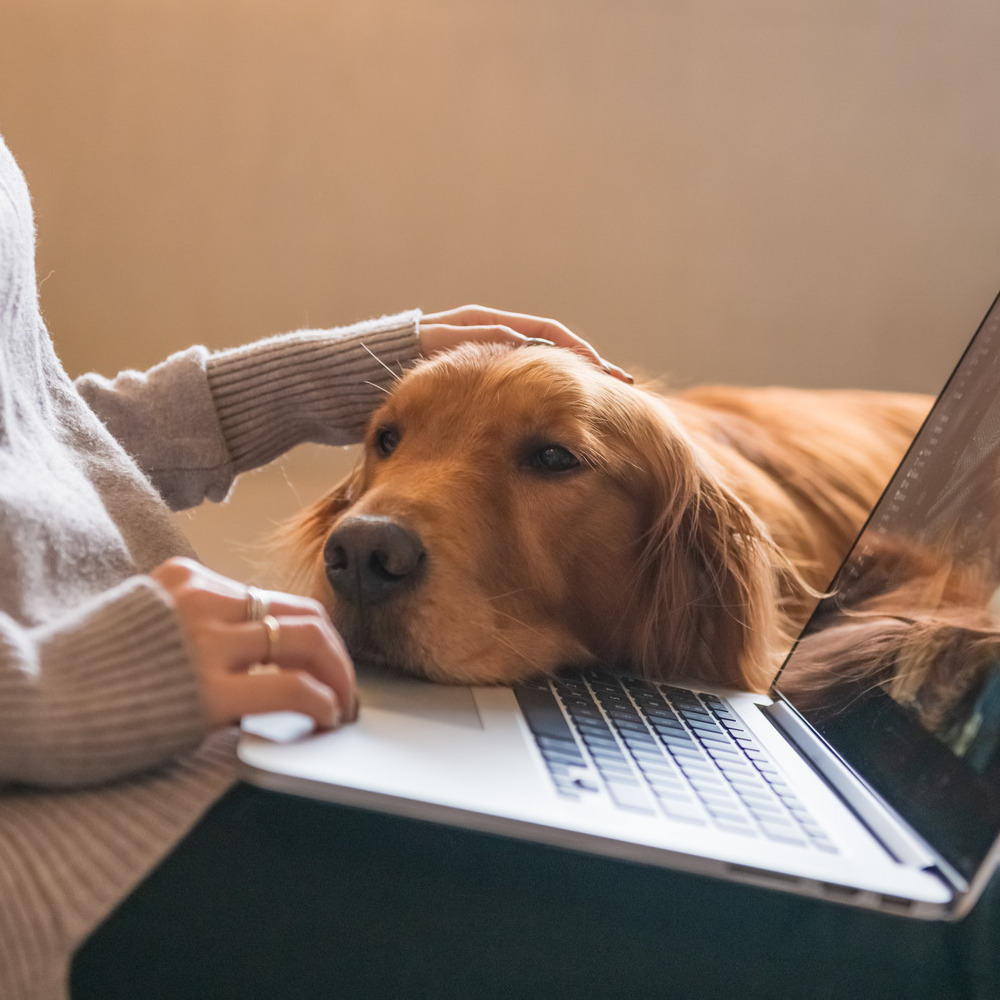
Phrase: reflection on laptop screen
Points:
(899, 669)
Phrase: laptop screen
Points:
(899, 668)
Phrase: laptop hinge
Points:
(900, 840)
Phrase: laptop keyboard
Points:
(660, 750)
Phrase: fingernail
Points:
(619, 373)
(536, 342)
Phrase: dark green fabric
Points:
(285, 898)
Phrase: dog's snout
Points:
(370, 559)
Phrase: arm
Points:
(196, 421)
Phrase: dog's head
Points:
(517, 511)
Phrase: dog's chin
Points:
(397, 654)
(385, 665)
(439, 671)
(368, 650)
(446, 654)
(406, 660)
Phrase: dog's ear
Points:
(708, 578)
(300, 540)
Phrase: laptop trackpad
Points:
(447, 703)
(386, 693)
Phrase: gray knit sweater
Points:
(104, 760)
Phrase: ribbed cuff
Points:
(315, 385)
(114, 695)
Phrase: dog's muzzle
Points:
(370, 559)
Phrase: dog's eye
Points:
(386, 440)
(554, 458)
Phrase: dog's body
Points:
(518, 511)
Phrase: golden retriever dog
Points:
(518, 511)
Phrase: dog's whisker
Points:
(508, 593)
(395, 376)
(518, 621)
(381, 388)
(519, 654)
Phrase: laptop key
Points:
(703, 724)
(672, 793)
(630, 796)
(569, 756)
(746, 829)
(786, 834)
(602, 747)
(554, 743)
(660, 770)
(689, 812)
(732, 817)
(616, 772)
(542, 712)
(674, 739)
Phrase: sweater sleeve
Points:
(99, 694)
(199, 419)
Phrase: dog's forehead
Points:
(527, 384)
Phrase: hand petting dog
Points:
(444, 330)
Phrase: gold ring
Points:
(273, 630)
(256, 604)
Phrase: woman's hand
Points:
(308, 667)
(440, 331)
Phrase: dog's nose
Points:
(370, 559)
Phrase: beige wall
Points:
(773, 191)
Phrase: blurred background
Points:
(709, 190)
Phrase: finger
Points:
(533, 327)
(210, 592)
(618, 373)
(232, 696)
(436, 337)
(303, 644)
(229, 602)
(443, 336)
(498, 326)
(278, 603)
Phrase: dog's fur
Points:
(689, 540)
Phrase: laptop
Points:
(876, 786)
